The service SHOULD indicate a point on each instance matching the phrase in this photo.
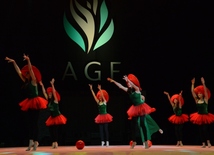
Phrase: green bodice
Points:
(202, 108)
(54, 109)
(177, 111)
(32, 91)
(102, 109)
(136, 98)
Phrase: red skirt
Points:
(103, 118)
(179, 119)
(139, 110)
(35, 103)
(199, 119)
(58, 120)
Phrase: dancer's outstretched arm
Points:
(33, 77)
(54, 90)
(180, 102)
(43, 90)
(99, 87)
(92, 91)
(205, 90)
(118, 84)
(192, 90)
(167, 94)
(16, 67)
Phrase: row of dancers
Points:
(139, 111)
(31, 77)
(202, 117)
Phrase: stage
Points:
(111, 150)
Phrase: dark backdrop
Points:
(164, 43)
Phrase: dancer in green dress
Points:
(139, 110)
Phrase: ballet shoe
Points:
(31, 144)
(53, 145)
(161, 131)
(209, 145)
(36, 144)
(203, 146)
(102, 143)
(107, 143)
(56, 145)
(133, 145)
(146, 145)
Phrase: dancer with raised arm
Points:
(103, 118)
(178, 118)
(56, 118)
(138, 110)
(30, 75)
(202, 118)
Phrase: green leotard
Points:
(32, 91)
(177, 111)
(54, 109)
(136, 98)
(102, 108)
(202, 108)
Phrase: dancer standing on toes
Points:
(56, 119)
(202, 118)
(138, 110)
(178, 119)
(103, 117)
(30, 75)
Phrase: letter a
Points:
(69, 66)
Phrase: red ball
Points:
(80, 144)
(149, 143)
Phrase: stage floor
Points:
(111, 150)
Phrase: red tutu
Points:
(103, 118)
(33, 103)
(140, 110)
(199, 119)
(58, 120)
(179, 119)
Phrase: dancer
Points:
(30, 75)
(178, 119)
(152, 125)
(202, 118)
(103, 117)
(138, 110)
(56, 119)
